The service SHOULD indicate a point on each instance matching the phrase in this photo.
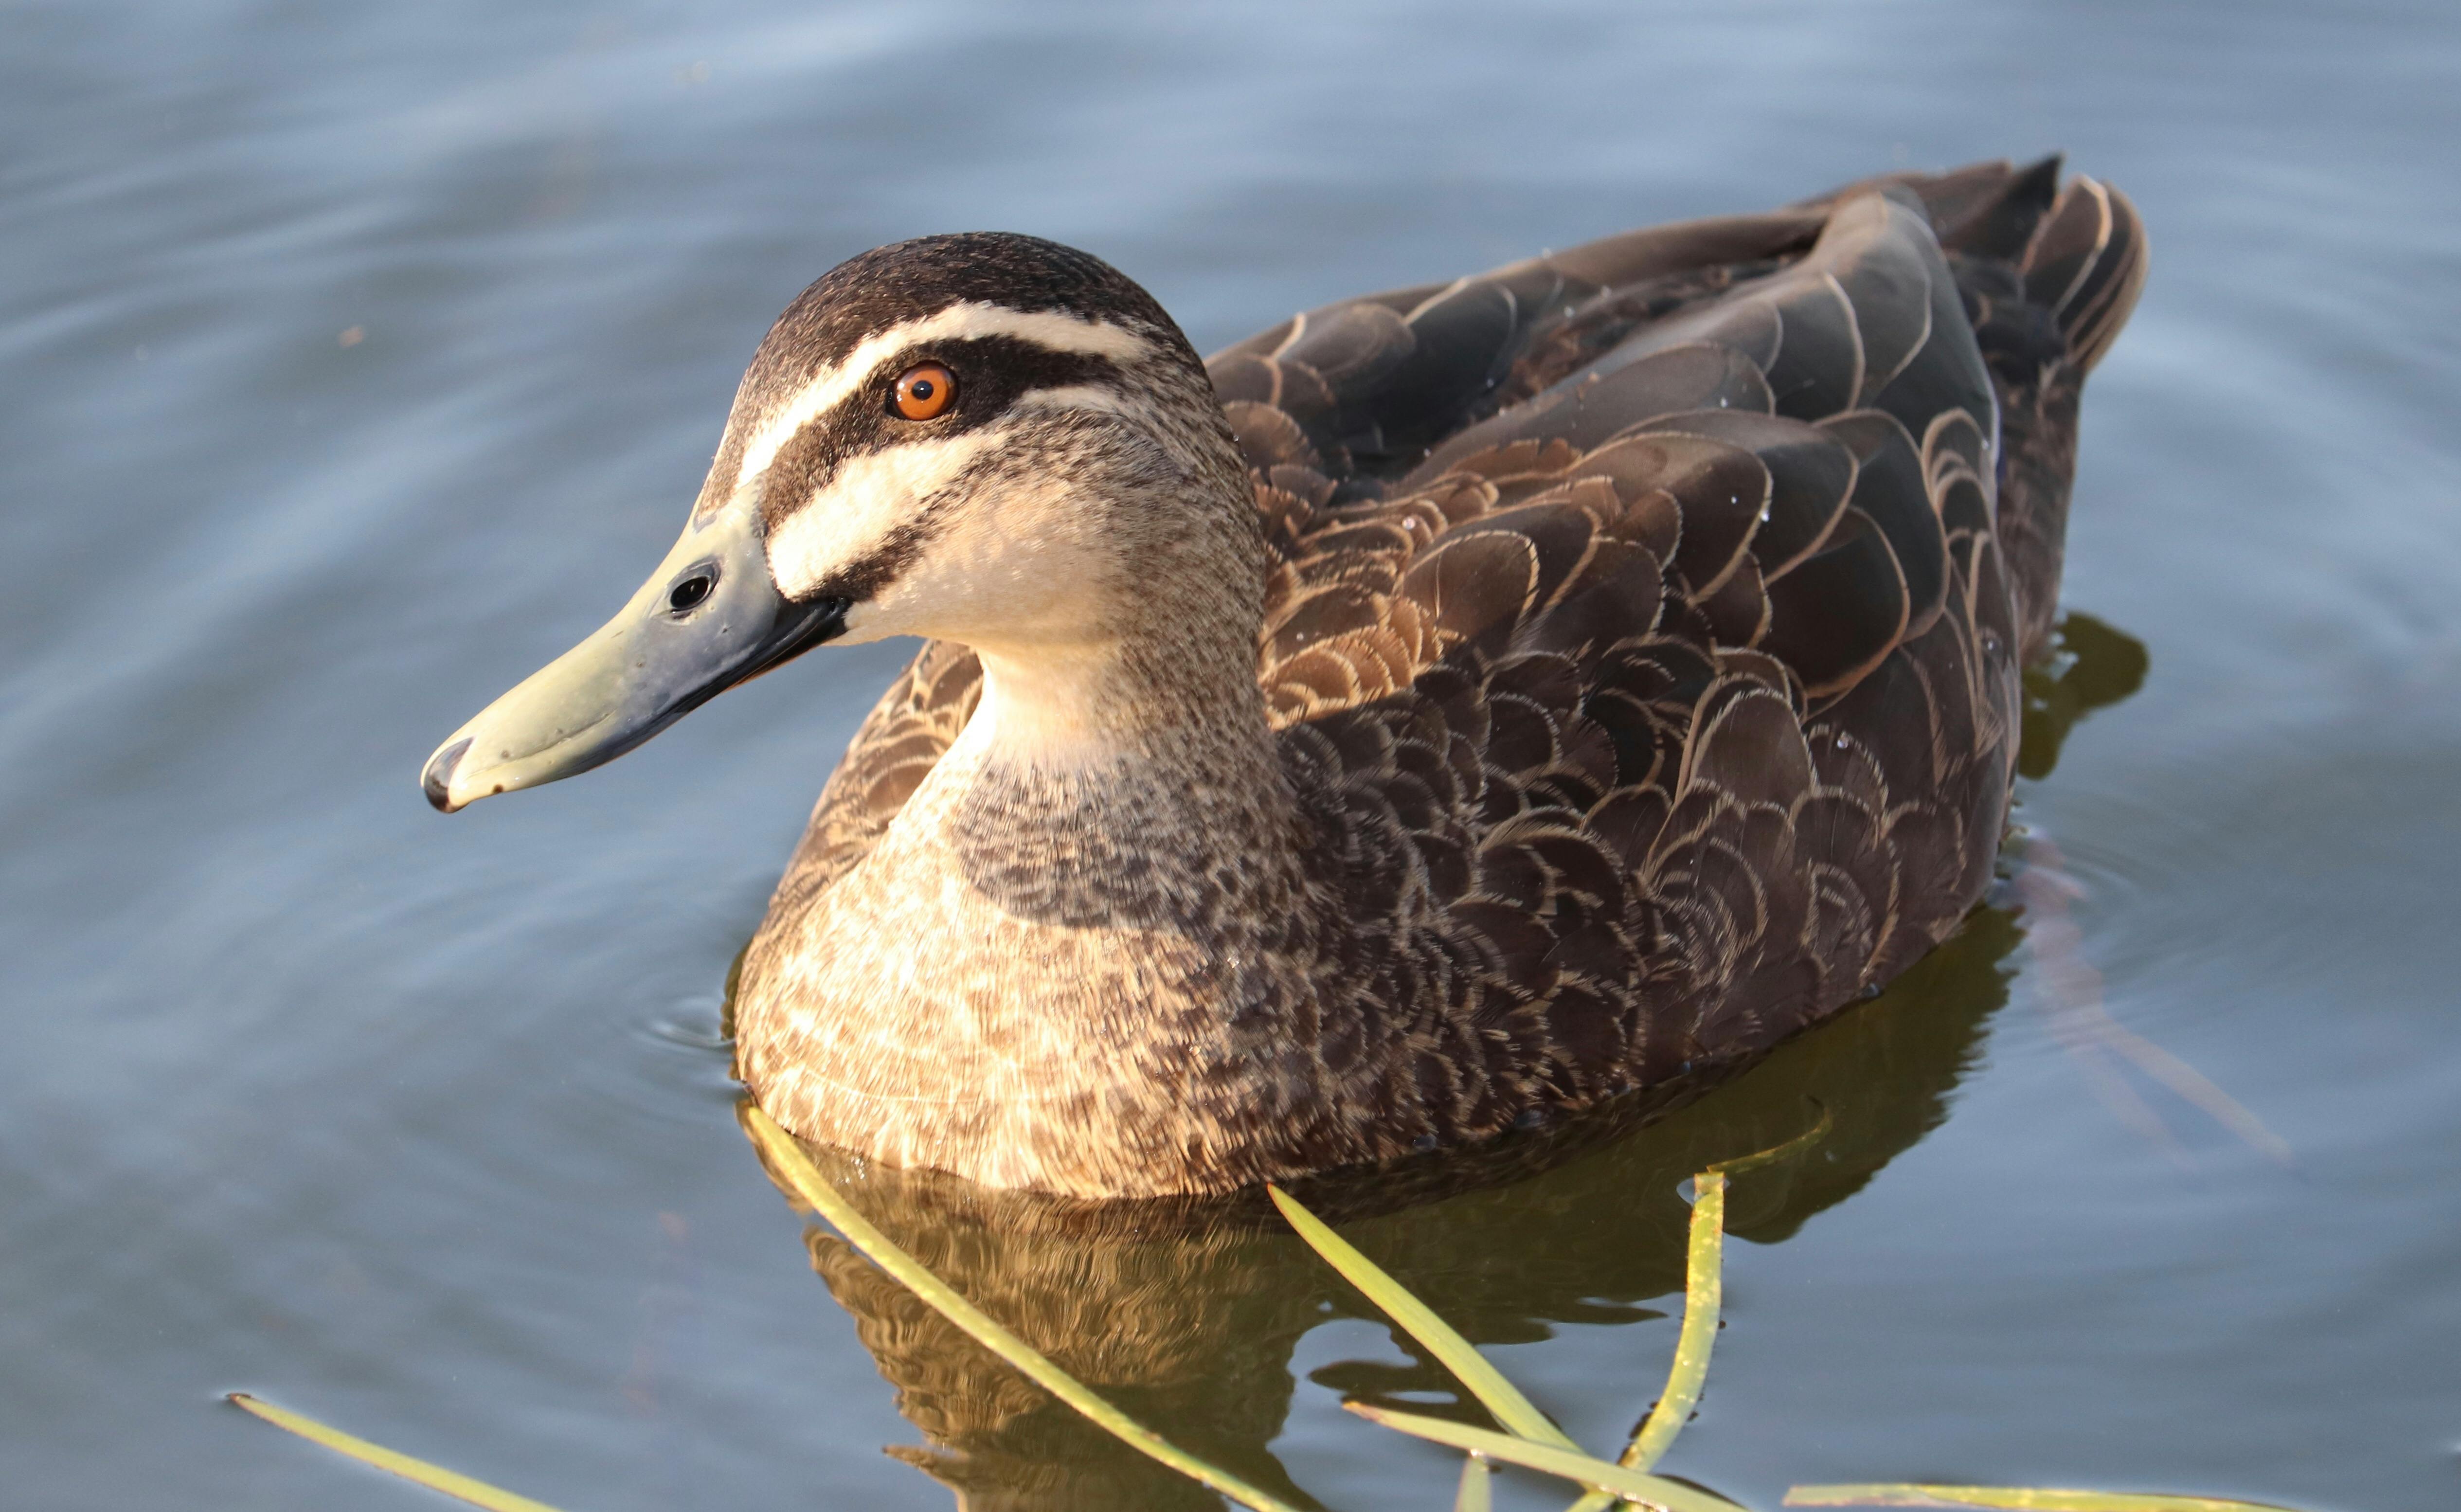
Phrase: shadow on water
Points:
(1186, 1313)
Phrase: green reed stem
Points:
(1476, 1494)
(1704, 1295)
(1630, 1485)
(815, 1189)
(435, 1478)
(2020, 1499)
(1498, 1396)
(1532, 1441)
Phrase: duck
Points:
(1441, 715)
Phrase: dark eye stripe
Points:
(992, 372)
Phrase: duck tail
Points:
(2085, 265)
(2050, 275)
(2076, 254)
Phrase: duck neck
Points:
(1113, 765)
(1093, 914)
(1087, 708)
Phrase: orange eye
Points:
(923, 390)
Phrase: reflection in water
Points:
(2091, 666)
(1186, 1313)
(2102, 1047)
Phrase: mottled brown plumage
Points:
(1639, 649)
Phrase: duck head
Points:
(983, 438)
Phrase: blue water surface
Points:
(357, 359)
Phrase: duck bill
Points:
(709, 618)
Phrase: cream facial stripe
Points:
(1082, 396)
(957, 323)
(870, 495)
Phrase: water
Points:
(357, 360)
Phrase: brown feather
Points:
(1641, 635)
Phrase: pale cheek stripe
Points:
(1082, 396)
(957, 323)
(869, 496)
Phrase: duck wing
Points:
(1366, 388)
(1671, 700)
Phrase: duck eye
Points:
(689, 592)
(923, 390)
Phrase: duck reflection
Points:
(2091, 666)
(1186, 1313)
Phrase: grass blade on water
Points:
(1476, 1494)
(435, 1478)
(825, 1199)
(1632, 1485)
(1498, 1396)
(1704, 1297)
(2015, 1499)
(1705, 1270)
(1533, 1442)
